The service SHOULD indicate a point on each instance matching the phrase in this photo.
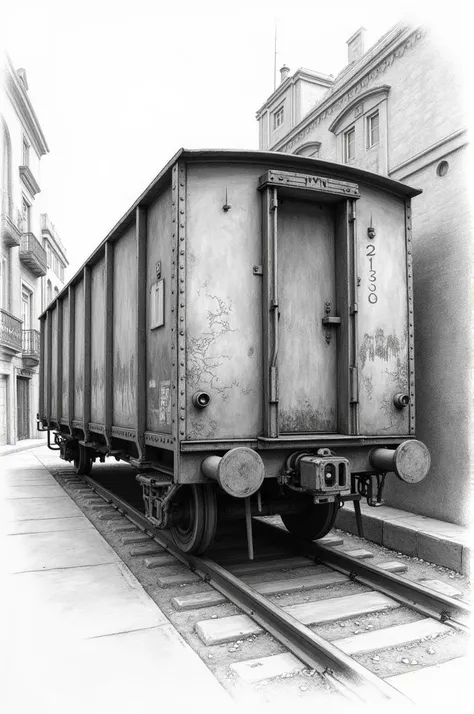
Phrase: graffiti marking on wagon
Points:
(164, 412)
(378, 345)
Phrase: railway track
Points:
(284, 593)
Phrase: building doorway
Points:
(3, 410)
(23, 408)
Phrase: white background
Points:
(118, 86)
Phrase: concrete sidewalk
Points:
(435, 541)
(23, 445)
(79, 632)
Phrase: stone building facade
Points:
(23, 258)
(56, 262)
(397, 109)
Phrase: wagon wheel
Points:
(196, 527)
(313, 521)
(82, 461)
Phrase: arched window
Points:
(361, 130)
(6, 185)
(311, 150)
(49, 292)
(56, 291)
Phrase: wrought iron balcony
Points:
(31, 347)
(33, 254)
(10, 333)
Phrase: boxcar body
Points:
(244, 332)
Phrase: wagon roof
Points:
(292, 162)
(274, 159)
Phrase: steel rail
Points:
(411, 594)
(349, 677)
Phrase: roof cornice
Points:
(19, 97)
(353, 82)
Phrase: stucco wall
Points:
(309, 94)
(442, 252)
(425, 100)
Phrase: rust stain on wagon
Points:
(124, 386)
(395, 417)
(98, 377)
(306, 419)
(202, 430)
(399, 375)
(379, 387)
(367, 385)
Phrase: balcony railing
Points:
(33, 254)
(31, 347)
(10, 332)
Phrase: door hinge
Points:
(353, 309)
(258, 269)
(354, 377)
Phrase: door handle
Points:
(330, 321)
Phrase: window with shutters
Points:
(26, 215)
(26, 307)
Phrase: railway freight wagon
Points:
(244, 338)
